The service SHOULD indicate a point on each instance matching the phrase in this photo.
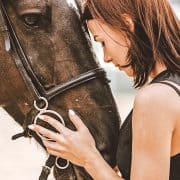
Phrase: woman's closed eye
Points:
(102, 44)
(99, 40)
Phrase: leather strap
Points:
(4, 30)
(30, 77)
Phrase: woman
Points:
(142, 39)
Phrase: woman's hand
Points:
(75, 146)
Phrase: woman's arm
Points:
(153, 126)
(98, 168)
(76, 146)
(152, 133)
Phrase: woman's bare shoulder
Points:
(157, 94)
(157, 103)
(153, 123)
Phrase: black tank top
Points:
(125, 135)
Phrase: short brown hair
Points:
(156, 36)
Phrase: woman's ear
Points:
(128, 20)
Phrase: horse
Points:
(48, 65)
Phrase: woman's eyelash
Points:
(102, 44)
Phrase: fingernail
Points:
(31, 127)
(71, 112)
(41, 117)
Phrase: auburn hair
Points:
(156, 35)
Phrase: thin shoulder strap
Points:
(171, 85)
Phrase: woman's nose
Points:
(107, 59)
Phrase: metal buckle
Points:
(42, 111)
(59, 166)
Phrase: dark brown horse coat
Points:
(58, 48)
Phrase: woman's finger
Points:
(56, 124)
(78, 123)
(44, 132)
(54, 146)
(56, 153)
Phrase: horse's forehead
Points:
(23, 5)
(31, 2)
(71, 3)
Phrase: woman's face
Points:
(114, 43)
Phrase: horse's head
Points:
(44, 46)
(51, 34)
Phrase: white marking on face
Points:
(72, 3)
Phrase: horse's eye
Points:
(32, 20)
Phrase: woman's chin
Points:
(128, 72)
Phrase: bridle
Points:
(22, 62)
(12, 44)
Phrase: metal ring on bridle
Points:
(50, 112)
(45, 101)
(61, 167)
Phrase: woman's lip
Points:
(118, 66)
